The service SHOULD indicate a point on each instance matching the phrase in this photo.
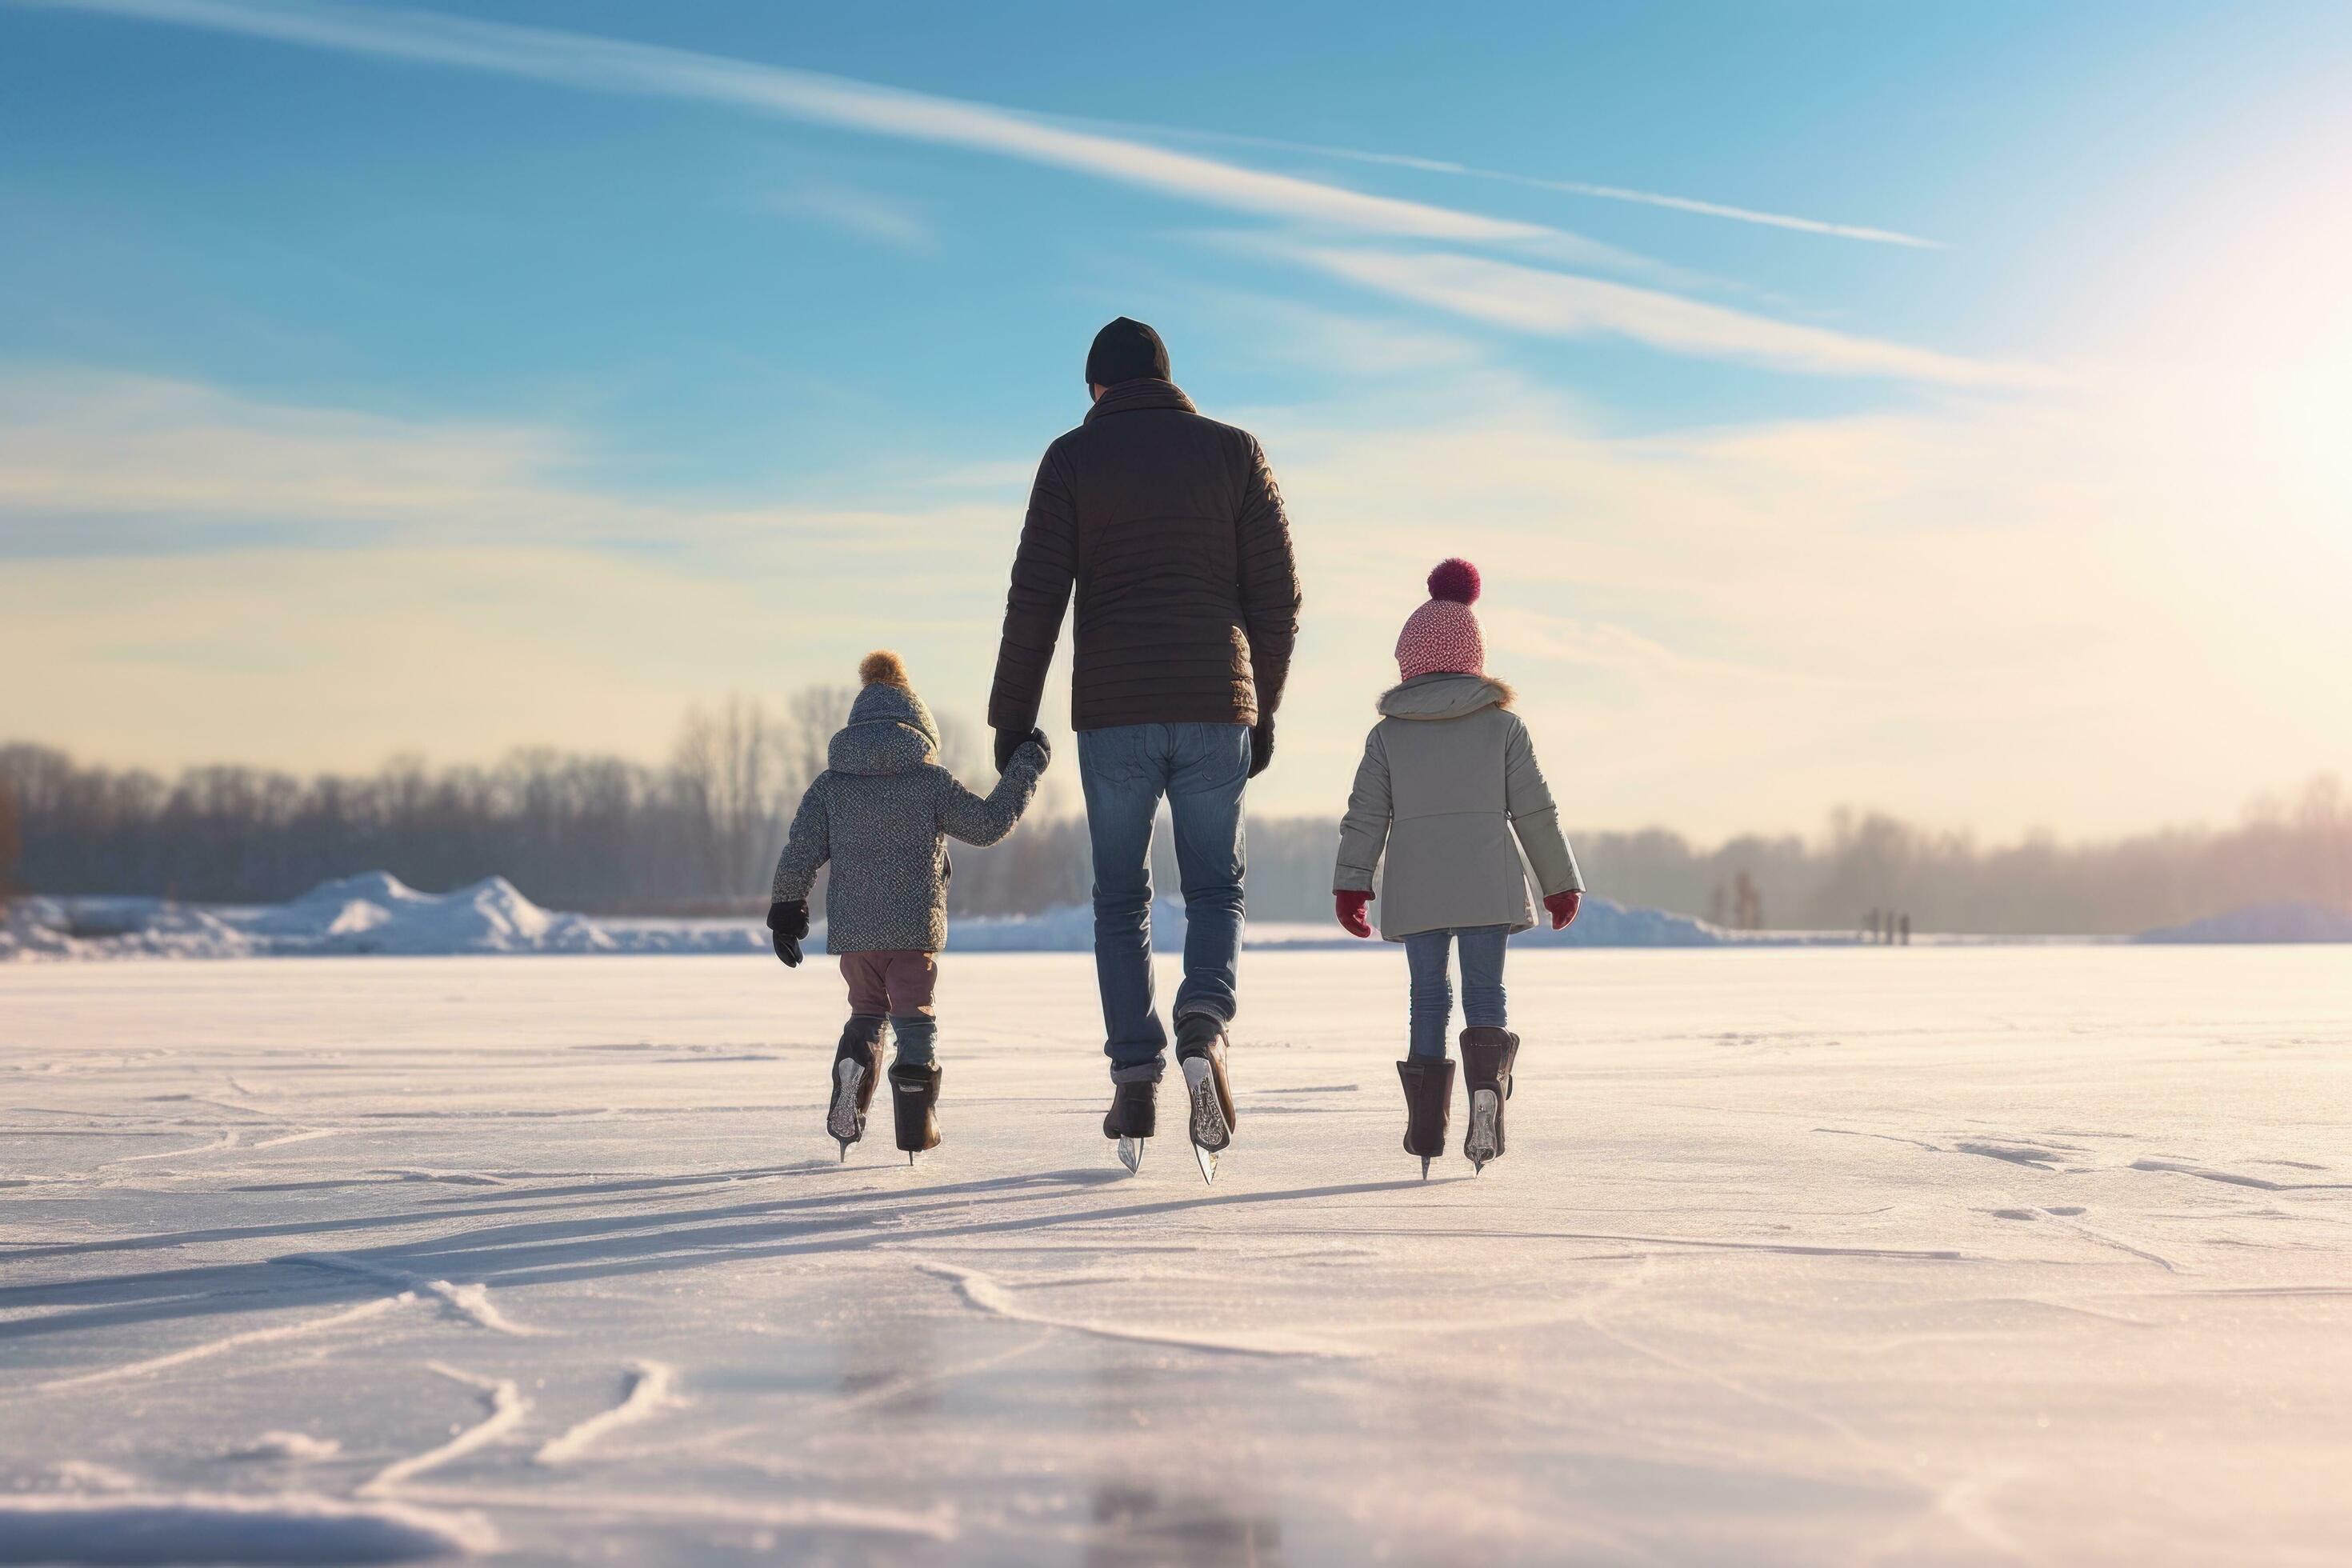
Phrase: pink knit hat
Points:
(1442, 635)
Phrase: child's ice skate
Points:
(1200, 1053)
(856, 1069)
(1428, 1100)
(914, 1104)
(1486, 1057)
(1134, 1112)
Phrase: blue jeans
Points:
(1125, 770)
(1433, 993)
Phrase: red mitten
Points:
(1351, 909)
(1563, 908)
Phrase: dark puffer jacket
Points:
(882, 812)
(1171, 529)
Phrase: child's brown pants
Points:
(896, 983)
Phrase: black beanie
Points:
(1126, 351)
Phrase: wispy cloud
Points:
(96, 463)
(606, 65)
(1502, 294)
(1563, 305)
(854, 212)
(1568, 188)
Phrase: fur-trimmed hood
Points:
(1444, 695)
(889, 732)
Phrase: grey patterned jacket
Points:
(881, 812)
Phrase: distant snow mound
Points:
(374, 913)
(1602, 923)
(2261, 922)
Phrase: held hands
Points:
(787, 923)
(1011, 741)
(1350, 907)
(1563, 908)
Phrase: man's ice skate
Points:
(855, 1071)
(1200, 1053)
(1428, 1102)
(914, 1105)
(1486, 1057)
(1134, 1112)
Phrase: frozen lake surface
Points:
(1928, 1255)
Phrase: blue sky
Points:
(384, 380)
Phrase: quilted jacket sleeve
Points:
(1045, 568)
(1269, 582)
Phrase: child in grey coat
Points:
(882, 812)
(1449, 793)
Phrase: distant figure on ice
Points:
(1450, 790)
(1168, 527)
(882, 812)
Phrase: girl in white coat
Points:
(1450, 793)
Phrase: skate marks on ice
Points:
(812, 1516)
(471, 1302)
(982, 1292)
(2047, 1152)
(1954, 1500)
(311, 1135)
(652, 1385)
(2236, 1179)
(226, 1141)
(506, 1409)
(151, 1364)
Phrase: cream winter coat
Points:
(1449, 785)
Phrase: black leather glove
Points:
(1045, 748)
(1007, 742)
(787, 923)
(1260, 746)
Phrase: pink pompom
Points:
(1455, 579)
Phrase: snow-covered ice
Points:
(1928, 1255)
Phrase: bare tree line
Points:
(2289, 851)
(599, 833)
(700, 834)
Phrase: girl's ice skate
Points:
(1486, 1058)
(1428, 1102)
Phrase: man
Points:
(1171, 529)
